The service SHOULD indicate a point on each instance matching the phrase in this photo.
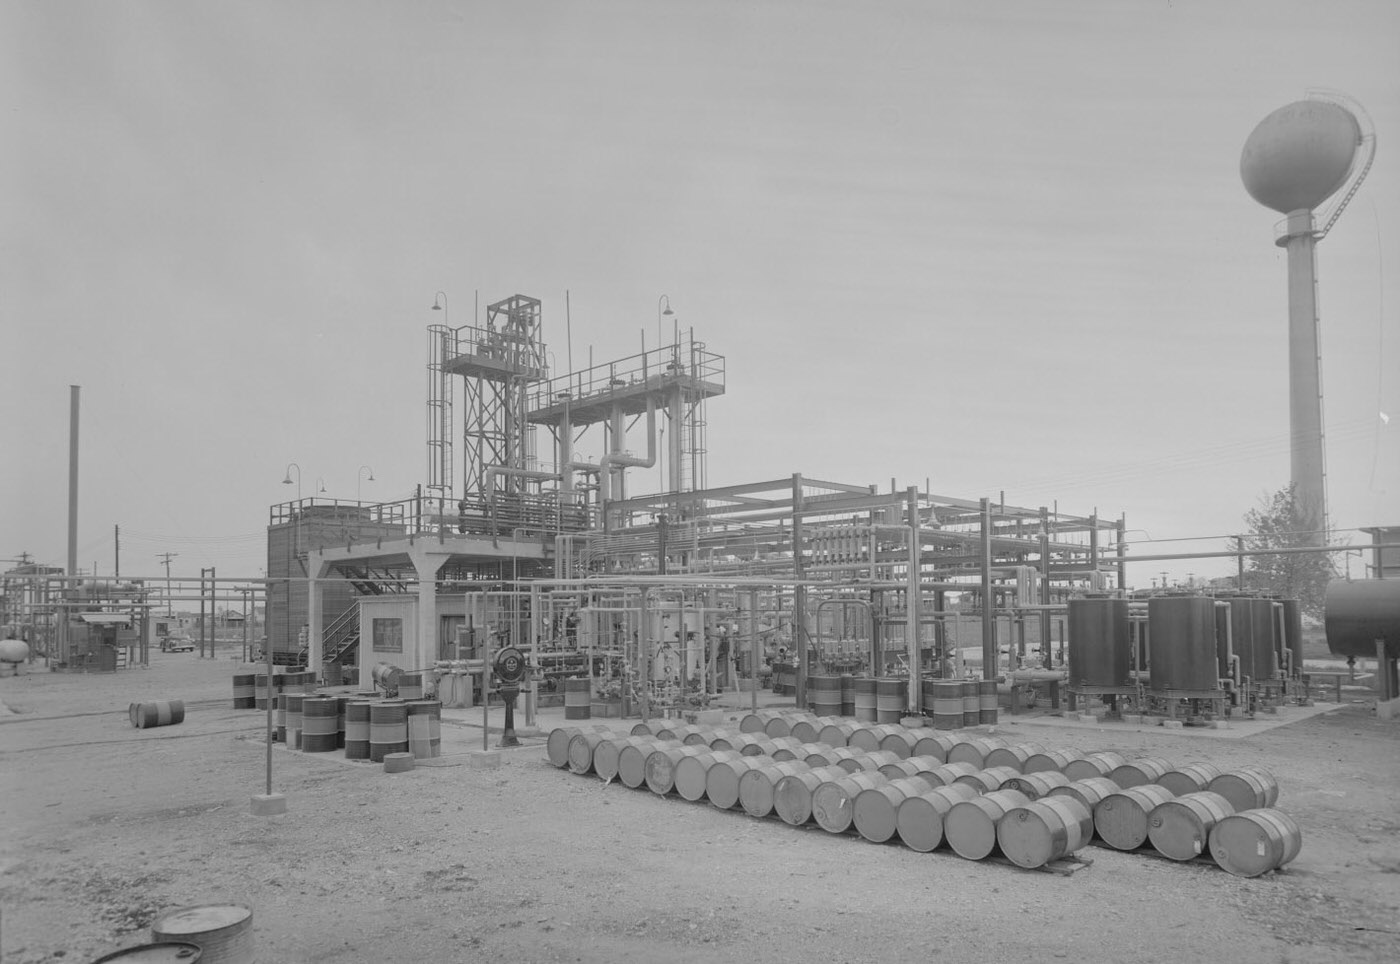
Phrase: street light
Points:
(358, 480)
(442, 297)
(288, 479)
(321, 483)
(668, 312)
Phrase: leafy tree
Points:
(1278, 523)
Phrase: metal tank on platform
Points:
(1182, 648)
(1100, 648)
(1363, 620)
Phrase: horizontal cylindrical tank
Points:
(1181, 644)
(1099, 642)
(1359, 613)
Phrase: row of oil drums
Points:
(950, 704)
(363, 725)
(979, 797)
(250, 689)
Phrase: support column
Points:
(989, 626)
(316, 569)
(913, 608)
(424, 651)
(1045, 587)
(676, 418)
(1304, 377)
(799, 594)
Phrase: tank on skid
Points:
(1358, 614)
(1259, 659)
(1099, 642)
(1181, 640)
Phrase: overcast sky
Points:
(1003, 247)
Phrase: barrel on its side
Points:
(1044, 830)
(1247, 788)
(1180, 828)
(156, 713)
(919, 820)
(1255, 842)
(1121, 818)
(1192, 778)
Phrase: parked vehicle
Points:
(177, 644)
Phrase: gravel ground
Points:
(104, 826)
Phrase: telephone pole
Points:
(166, 557)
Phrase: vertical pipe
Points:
(74, 391)
(989, 628)
(799, 594)
(1045, 587)
(267, 652)
(753, 650)
(1122, 564)
(913, 609)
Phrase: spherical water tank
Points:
(1299, 155)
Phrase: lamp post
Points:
(440, 296)
(288, 479)
(666, 299)
(320, 484)
(358, 480)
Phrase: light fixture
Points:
(288, 479)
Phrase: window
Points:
(388, 635)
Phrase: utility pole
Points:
(207, 621)
(167, 556)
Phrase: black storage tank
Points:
(1181, 641)
(1099, 642)
(1359, 613)
(1266, 663)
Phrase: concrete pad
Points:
(269, 804)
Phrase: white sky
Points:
(1001, 247)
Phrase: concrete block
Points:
(1133, 718)
(1089, 718)
(1219, 724)
(398, 762)
(269, 804)
(1388, 709)
(1173, 724)
(484, 760)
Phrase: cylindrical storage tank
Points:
(989, 779)
(1246, 787)
(245, 691)
(987, 702)
(577, 698)
(792, 795)
(1090, 792)
(971, 703)
(975, 751)
(971, 826)
(1192, 778)
(1181, 630)
(1094, 765)
(757, 785)
(1140, 772)
(384, 676)
(224, 932)
(388, 729)
(1359, 613)
(947, 704)
(848, 694)
(890, 695)
(1100, 643)
(357, 730)
(318, 724)
(919, 820)
(1054, 759)
(826, 694)
(1015, 756)
(1267, 662)
(864, 692)
(1180, 828)
(1255, 842)
(833, 803)
(876, 809)
(1037, 785)
(691, 772)
(1120, 819)
(1044, 830)
(424, 729)
(156, 713)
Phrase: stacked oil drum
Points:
(979, 798)
(949, 704)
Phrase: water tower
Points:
(1297, 158)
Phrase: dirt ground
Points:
(104, 826)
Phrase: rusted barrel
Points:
(578, 703)
(1051, 759)
(1247, 788)
(837, 733)
(890, 699)
(1120, 819)
(947, 704)
(864, 694)
(971, 703)
(1037, 785)
(792, 795)
(1094, 765)
(833, 803)
(1192, 778)
(156, 713)
(971, 825)
(1044, 830)
(988, 779)
(875, 810)
(949, 773)
(318, 724)
(223, 932)
(913, 766)
(1180, 828)
(723, 776)
(987, 701)
(661, 766)
(1016, 756)
(357, 729)
(689, 776)
(919, 820)
(1140, 772)
(1255, 842)
(975, 751)
(756, 786)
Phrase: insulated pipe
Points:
(619, 459)
(1231, 660)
